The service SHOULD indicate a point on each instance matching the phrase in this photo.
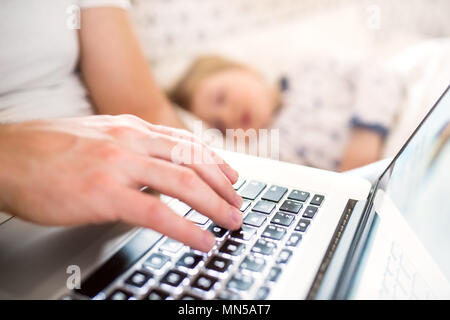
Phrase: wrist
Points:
(164, 115)
(366, 138)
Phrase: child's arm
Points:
(364, 147)
(378, 94)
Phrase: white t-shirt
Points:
(38, 59)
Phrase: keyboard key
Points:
(240, 282)
(245, 204)
(228, 295)
(232, 247)
(284, 256)
(310, 212)
(139, 278)
(298, 195)
(252, 190)
(294, 239)
(156, 260)
(179, 207)
(204, 282)
(219, 232)
(275, 193)
(274, 274)
(239, 183)
(254, 219)
(244, 233)
(291, 206)
(253, 263)
(317, 200)
(197, 218)
(188, 296)
(264, 206)
(262, 293)
(283, 219)
(174, 278)
(274, 232)
(171, 245)
(219, 264)
(264, 247)
(157, 294)
(302, 225)
(119, 295)
(189, 260)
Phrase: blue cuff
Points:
(356, 122)
(283, 84)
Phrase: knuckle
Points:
(110, 152)
(188, 179)
(129, 117)
(119, 131)
(186, 133)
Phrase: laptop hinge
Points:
(323, 277)
(354, 254)
(339, 265)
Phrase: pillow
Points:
(425, 69)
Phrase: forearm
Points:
(150, 106)
(363, 147)
(130, 93)
(115, 70)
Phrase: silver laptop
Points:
(307, 234)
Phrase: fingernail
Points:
(237, 201)
(235, 175)
(236, 217)
(208, 241)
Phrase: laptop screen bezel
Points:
(361, 235)
(391, 164)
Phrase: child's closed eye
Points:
(220, 97)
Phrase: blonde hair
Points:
(203, 67)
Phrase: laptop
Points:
(307, 234)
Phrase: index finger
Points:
(229, 172)
(149, 212)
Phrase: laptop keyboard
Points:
(244, 264)
(401, 281)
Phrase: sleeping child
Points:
(330, 114)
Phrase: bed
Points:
(270, 35)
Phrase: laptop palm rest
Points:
(34, 259)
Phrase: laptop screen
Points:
(411, 233)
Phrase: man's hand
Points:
(363, 148)
(89, 170)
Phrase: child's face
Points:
(234, 99)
